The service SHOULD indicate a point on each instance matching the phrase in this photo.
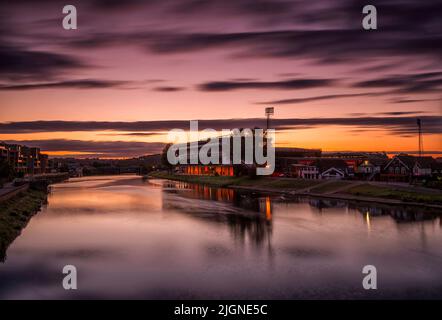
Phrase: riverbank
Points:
(15, 214)
(334, 189)
(19, 202)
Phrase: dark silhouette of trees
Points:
(6, 172)
(164, 162)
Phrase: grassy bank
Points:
(258, 182)
(364, 192)
(330, 186)
(15, 214)
(386, 192)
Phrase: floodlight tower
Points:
(270, 111)
(421, 142)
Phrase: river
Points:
(157, 239)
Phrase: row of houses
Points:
(403, 167)
(314, 164)
(366, 166)
(24, 160)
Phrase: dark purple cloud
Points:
(412, 100)
(168, 89)
(319, 98)
(385, 121)
(96, 148)
(392, 113)
(257, 8)
(68, 84)
(130, 134)
(289, 84)
(18, 63)
(328, 31)
(411, 83)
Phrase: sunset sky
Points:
(134, 69)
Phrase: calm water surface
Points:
(160, 239)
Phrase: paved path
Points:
(7, 187)
(10, 190)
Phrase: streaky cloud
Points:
(318, 98)
(102, 148)
(67, 84)
(289, 84)
(402, 124)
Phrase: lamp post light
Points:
(270, 111)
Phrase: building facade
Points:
(24, 160)
(404, 167)
(322, 169)
(224, 163)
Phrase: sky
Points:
(135, 69)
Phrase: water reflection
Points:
(247, 215)
(158, 239)
(254, 202)
(400, 213)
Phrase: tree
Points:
(164, 162)
(6, 172)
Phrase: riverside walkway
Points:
(11, 189)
